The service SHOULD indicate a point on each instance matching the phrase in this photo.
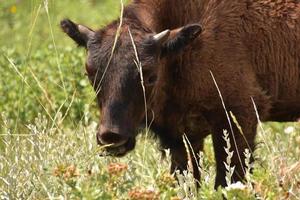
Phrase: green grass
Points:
(49, 117)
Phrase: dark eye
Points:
(151, 80)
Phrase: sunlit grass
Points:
(44, 162)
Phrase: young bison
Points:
(250, 46)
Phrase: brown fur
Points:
(251, 47)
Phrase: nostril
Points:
(108, 137)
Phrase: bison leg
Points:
(179, 158)
(244, 112)
(246, 118)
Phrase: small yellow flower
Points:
(13, 9)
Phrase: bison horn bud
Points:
(162, 36)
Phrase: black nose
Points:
(110, 137)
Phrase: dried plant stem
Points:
(188, 145)
(25, 81)
(229, 121)
(98, 89)
(241, 130)
(140, 69)
(260, 124)
(54, 44)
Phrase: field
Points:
(48, 121)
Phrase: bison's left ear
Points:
(79, 33)
(175, 40)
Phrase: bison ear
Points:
(79, 33)
(180, 38)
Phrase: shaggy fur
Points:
(251, 47)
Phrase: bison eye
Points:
(151, 80)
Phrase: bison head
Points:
(114, 66)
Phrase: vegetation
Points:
(49, 118)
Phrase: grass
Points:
(48, 122)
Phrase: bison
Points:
(172, 54)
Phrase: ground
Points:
(49, 118)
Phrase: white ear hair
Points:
(88, 33)
(162, 36)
